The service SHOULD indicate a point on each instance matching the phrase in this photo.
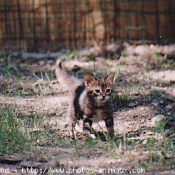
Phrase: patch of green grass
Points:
(18, 133)
(49, 76)
(159, 149)
(160, 127)
(10, 70)
(46, 77)
(33, 126)
(12, 139)
(121, 100)
(160, 60)
(6, 64)
(21, 91)
(111, 147)
(92, 142)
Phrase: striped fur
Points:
(90, 100)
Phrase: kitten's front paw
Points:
(92, 136)
(87, 135)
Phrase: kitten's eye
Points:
(97, 91)
(108, 91)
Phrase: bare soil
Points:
(145, 87)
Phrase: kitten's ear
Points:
(111, 78)
(88, 79)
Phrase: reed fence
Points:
(52, 25)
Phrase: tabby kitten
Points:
(90, 100)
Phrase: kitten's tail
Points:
(63, 78)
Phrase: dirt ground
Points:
(145, 93)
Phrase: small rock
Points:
(161, 102)
(145, 142)
(156, 119)
(169, 106)
(133, 104)
(169, 113)
(155, 103)
(41, 63)
(92, 136)
(142, 120)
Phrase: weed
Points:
(92, 142)
(18, 133)
(121, 100)
(42, 89)
(160, 60)
(70, 56)
(11, 137)
(49, 76)
(158, 149)
(6, 64)
(119, 66)
(160, 127)
(110, 146)
(32, 125)
(9, 69)
(43, 78)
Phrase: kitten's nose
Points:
(103, 96)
